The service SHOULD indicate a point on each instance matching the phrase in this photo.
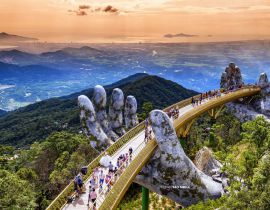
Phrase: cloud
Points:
(106, 9)
(81, 10)
(81, 7)
(179, 35)
(110, 9)
(78, 12)
(81, 13)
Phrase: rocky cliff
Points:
(231, 77)
(250, 107)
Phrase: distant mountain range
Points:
(66, 69)
(34, 72)
(5, 37)
(35, 122)
(2, 112)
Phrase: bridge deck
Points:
(186, 113)
(135, 142)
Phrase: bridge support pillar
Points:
(216, 111)
(145, 198)
(184, 130)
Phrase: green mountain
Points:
(37, 121)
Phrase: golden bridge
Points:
(143, 151)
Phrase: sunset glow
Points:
(136, 20)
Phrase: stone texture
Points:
(245, 112)
(247, 108)
(131, 118)
(170, 172)
(205, 161)
(90, 124)
(254, 106)
(262, 104)
(99, 101)
(231, 77)
(116, 111)
(263, 80)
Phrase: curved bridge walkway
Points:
(142, 151)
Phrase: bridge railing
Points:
(119, 188)
(102, 195)
(61, 199)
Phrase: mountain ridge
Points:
(37, 121)
(11, 37)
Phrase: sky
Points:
(136, 20)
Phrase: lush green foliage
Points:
(244, 150)
(218, 134)
(37, 121)
(47, 167)
(15, 193)
(247, 162)
(146, 109)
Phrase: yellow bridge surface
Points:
(187, 114)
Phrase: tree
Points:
(146, 109)
(27, 174)
(257, 131)
(15, 193)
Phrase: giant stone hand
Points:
(131, 118)
(116, 111)
(99, 101)
(90, 125)
(170, 172)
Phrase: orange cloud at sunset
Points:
(136, 20)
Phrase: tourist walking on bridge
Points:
(130, 150)
(92, 182)
(101, 177)
(93, 196)
(192, 101)
(111, 167)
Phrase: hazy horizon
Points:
(122, 21)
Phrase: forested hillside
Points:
(52, 152)
(244, 151)
(35, 122)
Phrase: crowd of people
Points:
(103, 178)
(173, 112)
(213, 94)
(205, 96)
(108, 174)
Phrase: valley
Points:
(61, 69)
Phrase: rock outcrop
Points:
(131, 118)
(263, 80)
(232, 77)
(263, 103)
(205, 162)
(90, 124)
(252, 107)
(116, 111)
(99, 101)
(170, 172)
